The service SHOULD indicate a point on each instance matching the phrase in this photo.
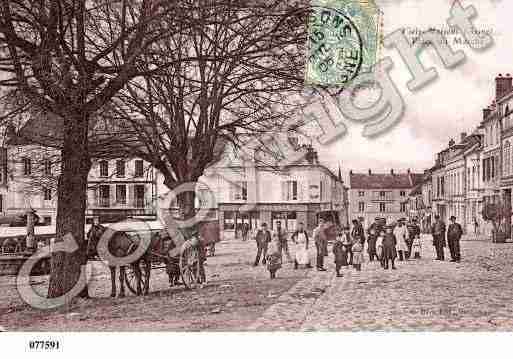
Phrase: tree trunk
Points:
(71, 206)
(185, 201)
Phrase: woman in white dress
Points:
(302, 256)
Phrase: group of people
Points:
(385, 243)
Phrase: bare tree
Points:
(68, 58)
(250, 56)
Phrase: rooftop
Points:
(384, 180)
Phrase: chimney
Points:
(408, 171)
(486, 112)
(392, 171)
(463, 135)
(350, 172)
(370, 172)
(503, 86)
(451, 142)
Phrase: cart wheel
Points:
(131, 278)
(189, 269)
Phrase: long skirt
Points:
(389, 252)
(302, 255)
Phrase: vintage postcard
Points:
(254, 166)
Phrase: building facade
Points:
(117, 188)
(250, 192)
(374, 195)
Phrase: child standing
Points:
(358, 254)
(417, 247)
(339, 254)
(274, 259)
(389, 251)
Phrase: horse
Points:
(120, 245)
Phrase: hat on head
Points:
(453, 218)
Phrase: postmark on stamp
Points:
(343, 41)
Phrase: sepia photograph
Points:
(286, 172)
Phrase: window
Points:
(139, 196)
(382, 193)
(382, 207)
(361, 206)
(361, 193)
(289, 189)
(139, 168)
(104, 200)
(27, 166)
(47, 194)
(229, 220)
(47, 220)
(121, 194)
(47, 167)
(402, 193)
(120, 168)
(403, 207)
(104, 169)
(239, 191)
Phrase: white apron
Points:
(302, 255)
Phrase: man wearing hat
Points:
(262, 237)
(454, 233)
(438, 233)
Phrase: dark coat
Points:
(371, 243)
(389, 243)
(263, 237)
(454, 232)
(358, 232)
(438, 232)
(339, 253)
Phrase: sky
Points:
(440, 111)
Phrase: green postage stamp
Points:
(343, 41)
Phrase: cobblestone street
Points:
(424, 294)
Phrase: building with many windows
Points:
(117, 187)
(374, 195)
(249, 191)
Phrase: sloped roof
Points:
(384, 180)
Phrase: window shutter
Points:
(299, 191)
(231, 191)
(283, 191)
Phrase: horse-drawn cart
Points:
(183, 262)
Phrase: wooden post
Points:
(31, 238)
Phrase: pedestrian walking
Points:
(301, 255)
(263, 238)
(281, 233)
(476, 226)
(347, 241)
(245, 231)
(417, 247)
(371, 244)
(401, 234)
(438, 233)
(358, 254)
(319, 239)
(339, 254)
(413, 231)
(274, 256)
(379, 248)
(389, 250)
(454, 233)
